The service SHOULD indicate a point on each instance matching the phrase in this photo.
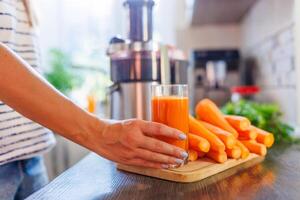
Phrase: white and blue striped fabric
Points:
(20, 138)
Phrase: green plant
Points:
(266, 116)
(61, 75)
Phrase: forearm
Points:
(130, 142)
(28, 93)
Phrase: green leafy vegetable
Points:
(266, 116)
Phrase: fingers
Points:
(145, 163)
(143, 157)
(157, 129)
(157, 157)
(158, 146)
(143, 149)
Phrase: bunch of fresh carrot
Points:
(218, 136)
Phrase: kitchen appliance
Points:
(215, 72)
(138, 62)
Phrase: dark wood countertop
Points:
(278, 177)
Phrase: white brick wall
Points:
(275, 59)
(276, 71)
(267, 35)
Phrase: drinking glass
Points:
(170, 106)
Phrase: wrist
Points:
(85, 130)
(94, 132)
(100, 133)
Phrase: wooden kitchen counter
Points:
(278, 177)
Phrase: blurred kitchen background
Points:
(223, 49)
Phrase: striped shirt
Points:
(20, 138)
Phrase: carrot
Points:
(238, 122)
(218, 156)
(193, 155)
(207, 111)
(263, 137)
(227, 138)
(255, 147)
(198, 143)
(200, 154)
(248, 134)
(245, 151)
(197, 128)
(235, 152)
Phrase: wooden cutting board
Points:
(193, 171)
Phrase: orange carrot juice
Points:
(172, 111)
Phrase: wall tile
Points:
(285, 97)
(276, 71)
(285, 36)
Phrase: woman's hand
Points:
(130, 142)
(133, 142)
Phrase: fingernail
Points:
(179, 161)
(182, 136)
(184, 154)
(165, 166)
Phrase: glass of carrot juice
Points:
(170, 106)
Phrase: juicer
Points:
(137, 62)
